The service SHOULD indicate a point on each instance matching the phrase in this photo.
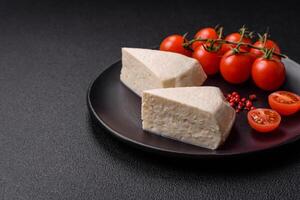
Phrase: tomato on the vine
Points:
(209, 60)
(236, 67)
(263, 120)
(205, 33)
(235, 37)
(284, 102)
(268, 74)
(174, 43)
(269, 44)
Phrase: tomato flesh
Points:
(263, 120)
(285, 103)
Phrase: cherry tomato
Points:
(285, 103)
(235, 37)
(236, 67)
(269, 45)
(205, 33)
(210, 61)
(174, 43)
(263, 120)
(268, 74)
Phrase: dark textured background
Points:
(49, 149)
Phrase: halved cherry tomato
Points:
(263, 120)
(269, 45)
(205, 33)
(268, 74)
(210, 61)
(285, 103)
(236, 67)
(235, 37)
(174, 43)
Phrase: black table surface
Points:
(49, 146)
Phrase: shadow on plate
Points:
(249, 163)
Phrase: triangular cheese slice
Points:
(144, 69)
(196, 115)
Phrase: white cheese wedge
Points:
(144, 69)
(196, 115)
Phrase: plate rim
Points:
(161, 151)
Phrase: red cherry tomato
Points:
(236, 67)
(174, 43)
(235, 37)
(210, 61)
(269, 45)
(285, 103)
(268, 74)
(263, 120)
(205, 33)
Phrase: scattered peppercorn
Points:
(252, 97)
(248, 103)
(239, 103)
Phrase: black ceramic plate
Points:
(118, 109)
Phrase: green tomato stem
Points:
(221, 41)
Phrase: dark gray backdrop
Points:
(49, 53)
